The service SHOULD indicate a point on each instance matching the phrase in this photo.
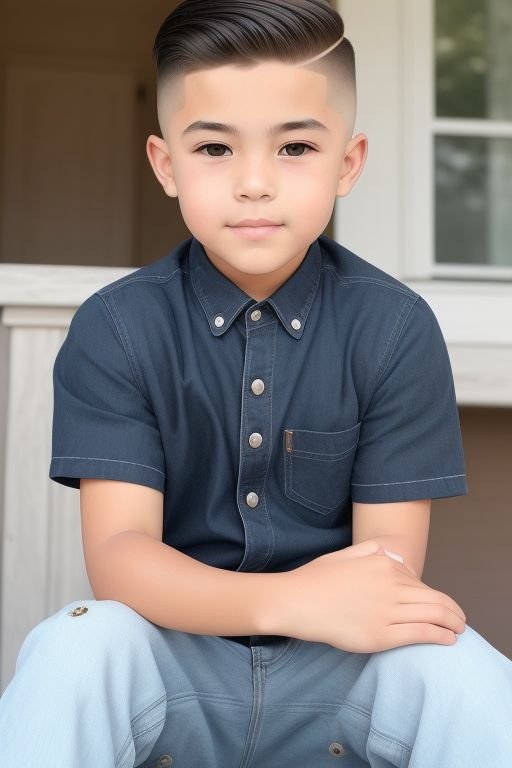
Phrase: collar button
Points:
(296, 324)
(219, 321)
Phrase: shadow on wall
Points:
(470, 536)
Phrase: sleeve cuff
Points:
(67, 470)
(431, 488)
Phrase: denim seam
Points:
(141, 278)
(323, 432)
(117, 461)
(304, 312)
(395, 337)
(273, 320)
(219, 698)
(256, 717)
(368, 715)
(272, 546)
(241, 455)
(391, 739)
(404, 482)
(127, 345)
(298, 496)
(202, 296)
(306, 706)
(344, 279)
(287, 653)
(131, 738)
(149, 729)
(317, 456)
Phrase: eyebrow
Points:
(293, 125)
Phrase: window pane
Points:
(473, 205)
(474, 58)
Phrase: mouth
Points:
(258, 232)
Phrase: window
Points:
(460, 128)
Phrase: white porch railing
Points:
(42, 565)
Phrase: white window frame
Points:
(421, 126)
(387, 218)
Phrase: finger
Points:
(408, 634)
(450, 603)
(429, 595)
(433, 613)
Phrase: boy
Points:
(255, 422)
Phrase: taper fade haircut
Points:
(200, 34)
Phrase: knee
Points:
(437, 664)
(86, 627)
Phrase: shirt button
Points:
(164, 761)
(296, 324)
(219, 321)
(257, 386)
(256, 314)
(255, 440)
(252, 499)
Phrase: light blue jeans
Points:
(106, 688)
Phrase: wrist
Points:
(273, 604)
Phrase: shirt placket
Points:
(256, 436)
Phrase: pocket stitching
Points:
(322, 456)
(291, 492)
(308, 502)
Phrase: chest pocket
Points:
(318, 466)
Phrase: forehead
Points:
(268, 87)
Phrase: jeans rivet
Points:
(336, 749)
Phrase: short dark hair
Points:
(200, 34)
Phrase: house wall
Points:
(468, 555)
(114, 33)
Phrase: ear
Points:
(161, 163)
(353, 163)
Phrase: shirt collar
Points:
(222, 300)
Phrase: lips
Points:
(256, 223)
(256, 231)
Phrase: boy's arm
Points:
(127, 561)
(401, 527)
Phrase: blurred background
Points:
(80, 207)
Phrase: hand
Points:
(361, 600)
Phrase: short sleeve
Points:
(410, 444)
(103, 424)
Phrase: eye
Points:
(222, 147)
(206, 146)
(298, 144)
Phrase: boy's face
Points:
(255, 174)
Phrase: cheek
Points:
(198, 209)
(312, 191)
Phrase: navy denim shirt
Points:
(261, 421)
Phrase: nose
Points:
(256, 177)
